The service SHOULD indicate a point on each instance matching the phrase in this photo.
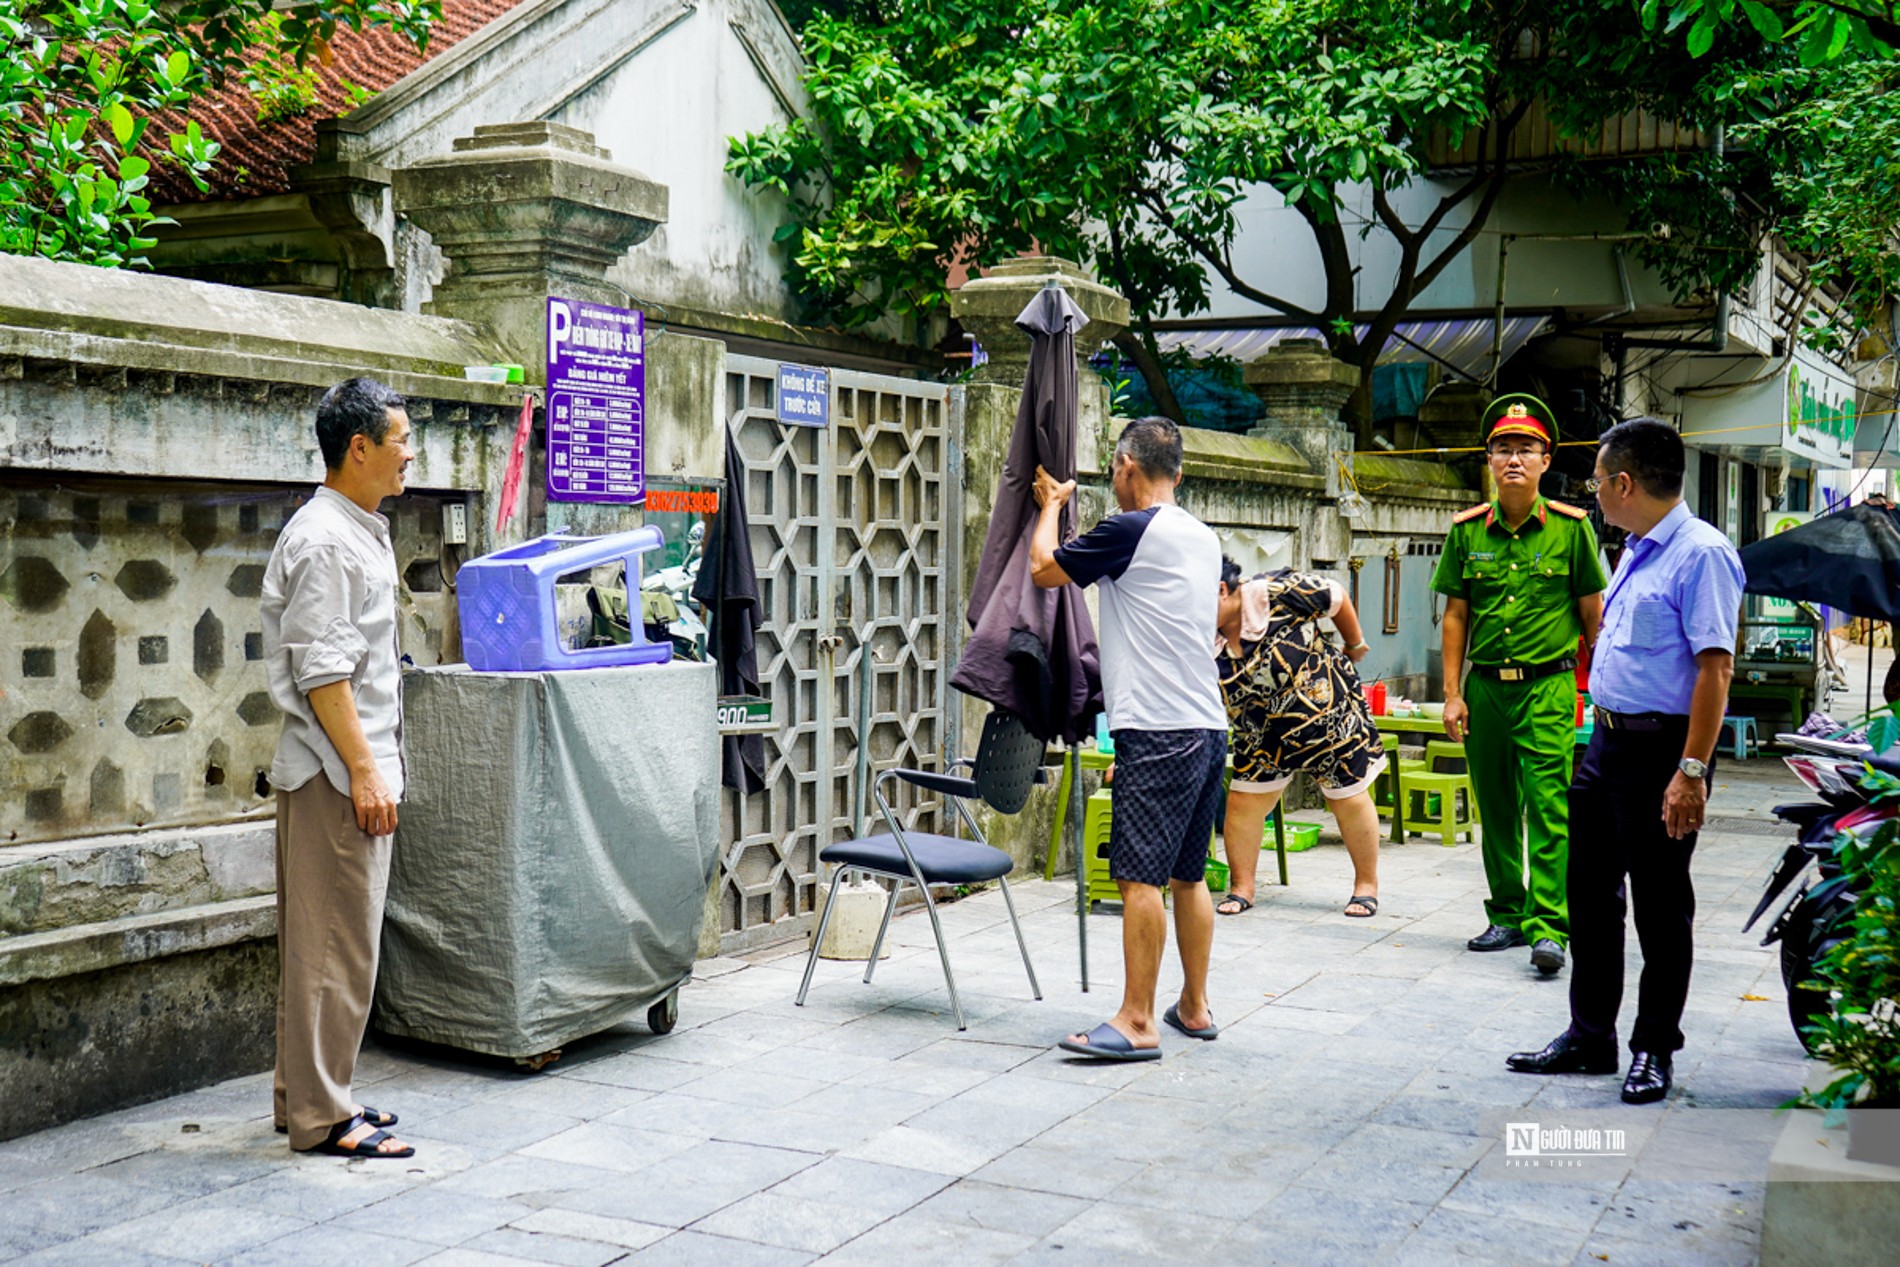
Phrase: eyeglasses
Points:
(1522, 455)
(1594, 486)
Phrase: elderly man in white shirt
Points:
(333, 660)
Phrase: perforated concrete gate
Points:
(851, 536)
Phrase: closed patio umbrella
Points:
(1032, 650)
(1849, 560)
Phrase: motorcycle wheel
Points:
(1819, 923)
(1805, 1006)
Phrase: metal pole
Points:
(1074, 834)
(859, 808)
(1873, 629)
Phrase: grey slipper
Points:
(1173, 1017)
(1105, 1042)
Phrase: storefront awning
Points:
(1466, 344)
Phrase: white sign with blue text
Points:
(804, 396)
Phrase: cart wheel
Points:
(664, 1015)
(535, 1064)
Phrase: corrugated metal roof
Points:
(1465, 343)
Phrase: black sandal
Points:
(1370, 902)
(1245, 905)
(369, 1146)
(375, 1117)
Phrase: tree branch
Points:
(1142, 350)
(1884, 29)
(1500, 173)
(1220, 263)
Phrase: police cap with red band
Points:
(1520, 414)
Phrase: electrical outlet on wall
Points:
(454, 524)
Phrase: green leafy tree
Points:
(1822, 29)
(1132, 133)
(80, 80)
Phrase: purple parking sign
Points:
(596, 410)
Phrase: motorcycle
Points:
(667, 600)
(1819, 913)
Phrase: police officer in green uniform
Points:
(1522, 583)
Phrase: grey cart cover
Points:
(553, 854)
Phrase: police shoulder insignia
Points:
(1472, 513)
(1571, 512)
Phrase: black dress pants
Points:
(1620, 852)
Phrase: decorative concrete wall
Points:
(132, 693)
(155, 434)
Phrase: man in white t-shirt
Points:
(1159, 572)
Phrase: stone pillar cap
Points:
(515, 163)
(1299, 363)
(991, 303)
(988, 307)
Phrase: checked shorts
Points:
(1167, 794)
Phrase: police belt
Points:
(1525, 672)
(1650, 723)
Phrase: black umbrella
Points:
(1032, 650)
(1849, 560)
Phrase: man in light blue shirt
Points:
(1659, 679)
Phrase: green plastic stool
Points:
(1097, 818)
(1386, 801)
(1454, 814)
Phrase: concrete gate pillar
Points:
(983, 412)
(1304, 387)
(524, 211)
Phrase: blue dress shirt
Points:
(1677, 592)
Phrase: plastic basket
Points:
(1217, 876)
(1300, 836)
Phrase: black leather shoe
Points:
(1547, 956)
(1496, 937)
(1650, 1077)
(1566, 1054)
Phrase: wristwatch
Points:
(1693, 768)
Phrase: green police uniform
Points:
(1522, 587)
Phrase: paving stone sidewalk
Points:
(1352, 1110)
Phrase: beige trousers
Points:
(331, 881)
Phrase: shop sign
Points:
(1820, 417)
(1807, 411)
(596, 403)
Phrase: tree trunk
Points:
(1142, 350)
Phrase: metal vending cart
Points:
(1779, 671)
(551, 864)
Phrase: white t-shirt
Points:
(1159, 570)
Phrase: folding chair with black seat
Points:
(1008, 763)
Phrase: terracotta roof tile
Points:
(257, 157)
